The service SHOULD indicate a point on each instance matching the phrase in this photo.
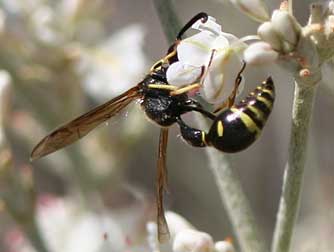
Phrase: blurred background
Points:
(59, 59)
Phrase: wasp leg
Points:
(185, 89)
(192, 136)
(231, 99)
(163, 86)
(201, 78)
(236, 85)
(164, 60)
(193, 105)
(200, 110)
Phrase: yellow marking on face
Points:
(162, 86)
(220, 128)
(251, 93)
(259, 114)
(247, 120)
(265, 101)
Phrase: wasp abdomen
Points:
(238, 127)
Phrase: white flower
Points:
(114, 66)
(210, 54)
(267, 33)
(255, 9)
(189, 240)
(66, 226)
(43, 19)
(287, 27)
(177, 223)
(282, 32)
(224, 246)
(260, 53)
(185, 238)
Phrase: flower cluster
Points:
(211, 57)
(301, 49)
(185, 238)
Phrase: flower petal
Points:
(180, 73)
(260, 53)
(255, 9)
(209, 25)
(267, 33)
(223, 41)
(286, 25)
(220, 80)
(224, 246)
(196, 50)
(189, 240)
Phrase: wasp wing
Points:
(81, 126)
(163, 231)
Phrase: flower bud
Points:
(177, 223)
(224, 246)
(255, 9)
(189, 240)
(267, 33)
(287, 27)
(260, 53)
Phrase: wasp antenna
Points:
(202, 15)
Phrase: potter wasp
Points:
(233, 129)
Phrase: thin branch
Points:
(234, 199)
(168, 18)
(31, 230)
(232, 195)
(293, 174)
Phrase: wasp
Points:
(233, 129)
(236, 127)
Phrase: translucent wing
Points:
(163, 231)
(81, 126)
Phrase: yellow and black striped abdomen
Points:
(238, 127)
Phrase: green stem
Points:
(32, 232)
(293, 174)
(168, 18)
(231, 193)
(234, 200)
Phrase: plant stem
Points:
(234, 200)
(293, 174)
(32, 232)
(232, 195)
(168, 18)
